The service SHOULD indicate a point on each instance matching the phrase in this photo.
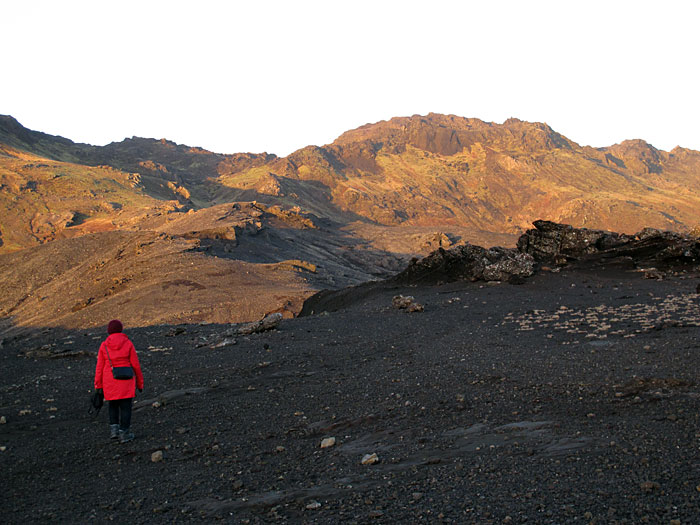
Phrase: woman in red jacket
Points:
(118, 351)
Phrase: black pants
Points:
(120, 413)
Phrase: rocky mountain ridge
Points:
(419, 171)
(354, 210)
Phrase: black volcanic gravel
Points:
(494, 405)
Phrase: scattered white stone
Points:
(328, 442)
(370, 459)
(225, 343)
(313, 505)
(3, 420)
(159, 349)
(25, 412)
(155, 404)
(157, 456)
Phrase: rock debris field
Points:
(571, 398)
(627, 320)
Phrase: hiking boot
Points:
(113, 431)
(125, 436)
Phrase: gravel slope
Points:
(573, 398)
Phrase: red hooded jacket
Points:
(122, 353)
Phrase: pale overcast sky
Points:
(275, 76)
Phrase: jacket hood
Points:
(116, 341)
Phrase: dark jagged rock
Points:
(468, 262)
(550, 242)
(460, 263)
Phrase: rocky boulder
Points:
(269, 322)
(407, 303)
(471, 263)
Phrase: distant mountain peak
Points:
(450, 134)
(420, 171)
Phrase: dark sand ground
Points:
(573, 398)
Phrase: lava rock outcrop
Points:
(560, 244)
(468, 262)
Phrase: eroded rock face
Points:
(662, 249)
(550, 242)
(469, 262)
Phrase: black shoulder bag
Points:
(119, 372)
